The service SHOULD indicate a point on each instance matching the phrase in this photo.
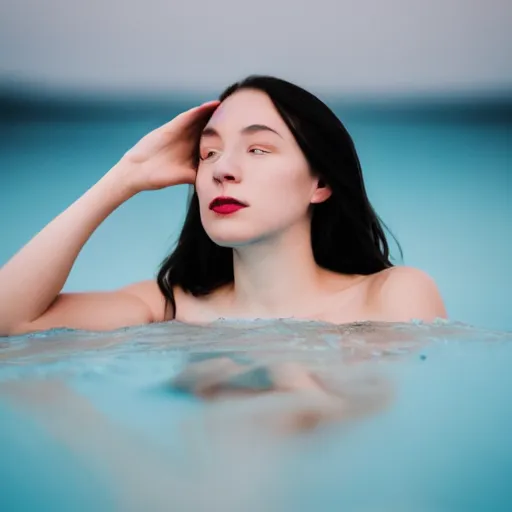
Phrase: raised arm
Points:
(32, 280)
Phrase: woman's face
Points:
(247, 152)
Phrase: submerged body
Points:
(423, 421)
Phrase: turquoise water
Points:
(442, 181)
(89, 421)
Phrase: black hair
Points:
(347, 235)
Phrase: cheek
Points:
(292, 185)
(199, 184)
(203, 206)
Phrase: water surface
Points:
(90, 421)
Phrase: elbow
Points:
(13, 330)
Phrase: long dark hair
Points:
(346, 234)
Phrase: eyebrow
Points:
(253, 128)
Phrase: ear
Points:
(322, 193)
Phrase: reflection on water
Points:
(264, 415)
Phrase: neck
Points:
(276, 277)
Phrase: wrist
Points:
(117, 183)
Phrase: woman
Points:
(279, 225)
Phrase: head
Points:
(280, 150)
(247, 151)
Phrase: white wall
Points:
(350, 46)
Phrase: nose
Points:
(225, 170)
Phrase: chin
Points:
(231, 242)
(233, 238)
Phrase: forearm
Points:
(32, 279)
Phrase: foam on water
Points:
(89, 420)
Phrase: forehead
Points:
(246, 107)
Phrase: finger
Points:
(189, 178)
(158, 138)
(208, 104)
(190, 116)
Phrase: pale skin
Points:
(275, 273)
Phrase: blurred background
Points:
(424, 88)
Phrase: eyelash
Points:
(253, 149)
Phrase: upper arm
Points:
(406, 294)
(136, 304)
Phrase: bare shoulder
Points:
(402, 294)
(149, 293)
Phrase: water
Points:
(90, 421)
(417, 418)
(440, 178)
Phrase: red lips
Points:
(224, 204)
(227, 208)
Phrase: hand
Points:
(165, 156)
